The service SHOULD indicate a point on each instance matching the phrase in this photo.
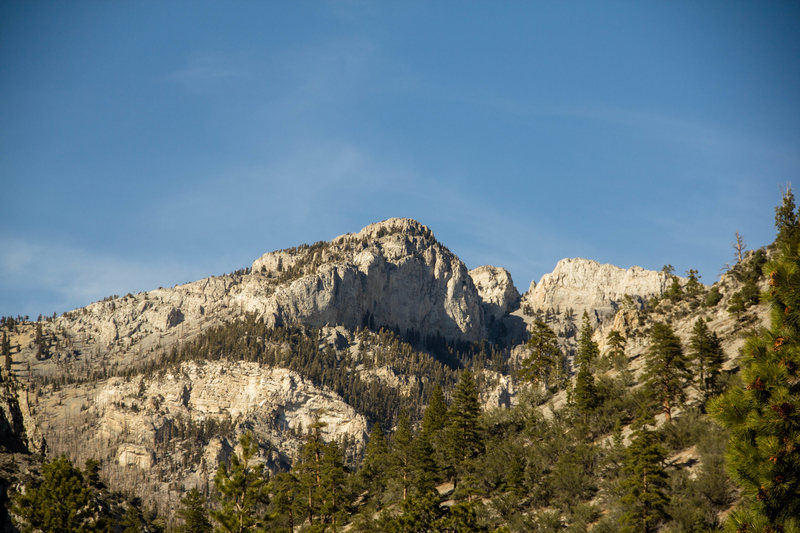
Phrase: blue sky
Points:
(145, 144)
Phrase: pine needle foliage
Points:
(60, 503)
(644, 484)
(242, 488)
(666, 372)
(544, 357)
(764, 415)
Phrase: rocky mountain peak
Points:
(586, 285)
(392, 226)
(496, 289)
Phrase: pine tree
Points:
(374, 468)
(287, 499)
(545, 355)
(424, 465)
(707, 357)
(588, 352)
(62, 501)
(309, 471)
(332, 485)
(464, 435)
(666, 373)
(644, 484)
(435, 416)
(674, 292)
(763, 417)
(787, 222)
(242, 488)
(616, 349)
(403, 454)
(434, 420)
(585, 394)
(194, 513)
(693, 285)
(133, 521)
(5, 347)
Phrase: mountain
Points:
(157, 386)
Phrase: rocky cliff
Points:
(158, 385)
(392, 274)
(586, 285)
(172, 429)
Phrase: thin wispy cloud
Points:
(68, 277)
(207, 71)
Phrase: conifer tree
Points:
(585, 394)
(435, 416)
(194, 513)
(666, 372)
(544, 357)
(5, 347)
(242, 490)
(133, 521)
(60, 502)
(309, 470)
(434, 420)
(644, 484)
(332, 489)
(763, 417)
(424, 469)
(787, 222)
(587, 349)
(706, 356)
(287, 500)
(616, 348)
(464, 436)
(693, 285)
(403, 454)
(376, 461)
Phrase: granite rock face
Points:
(497, 291)
(393, 274)
(129, 421)
(586, 285)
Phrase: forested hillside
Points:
(676, 412)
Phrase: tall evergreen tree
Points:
(5, 347)
(287, 500)
(435, 416)
(706, 356)
(585, 394)
(242, 488)
(644, 484)
(133, 521)
(764, 416)
(425, 469)
(403, 454)
(666, 372)
(62, 501)
(194, 513)
(693, 285)
(464, 436)
(374, 468)
(616, 349)
(787, 222)
(309, 471)
(588, 352)
(332, 485)
(544, 357)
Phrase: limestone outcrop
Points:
(497, 291)
(198, 409)
(586, 285)
(392, 274)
